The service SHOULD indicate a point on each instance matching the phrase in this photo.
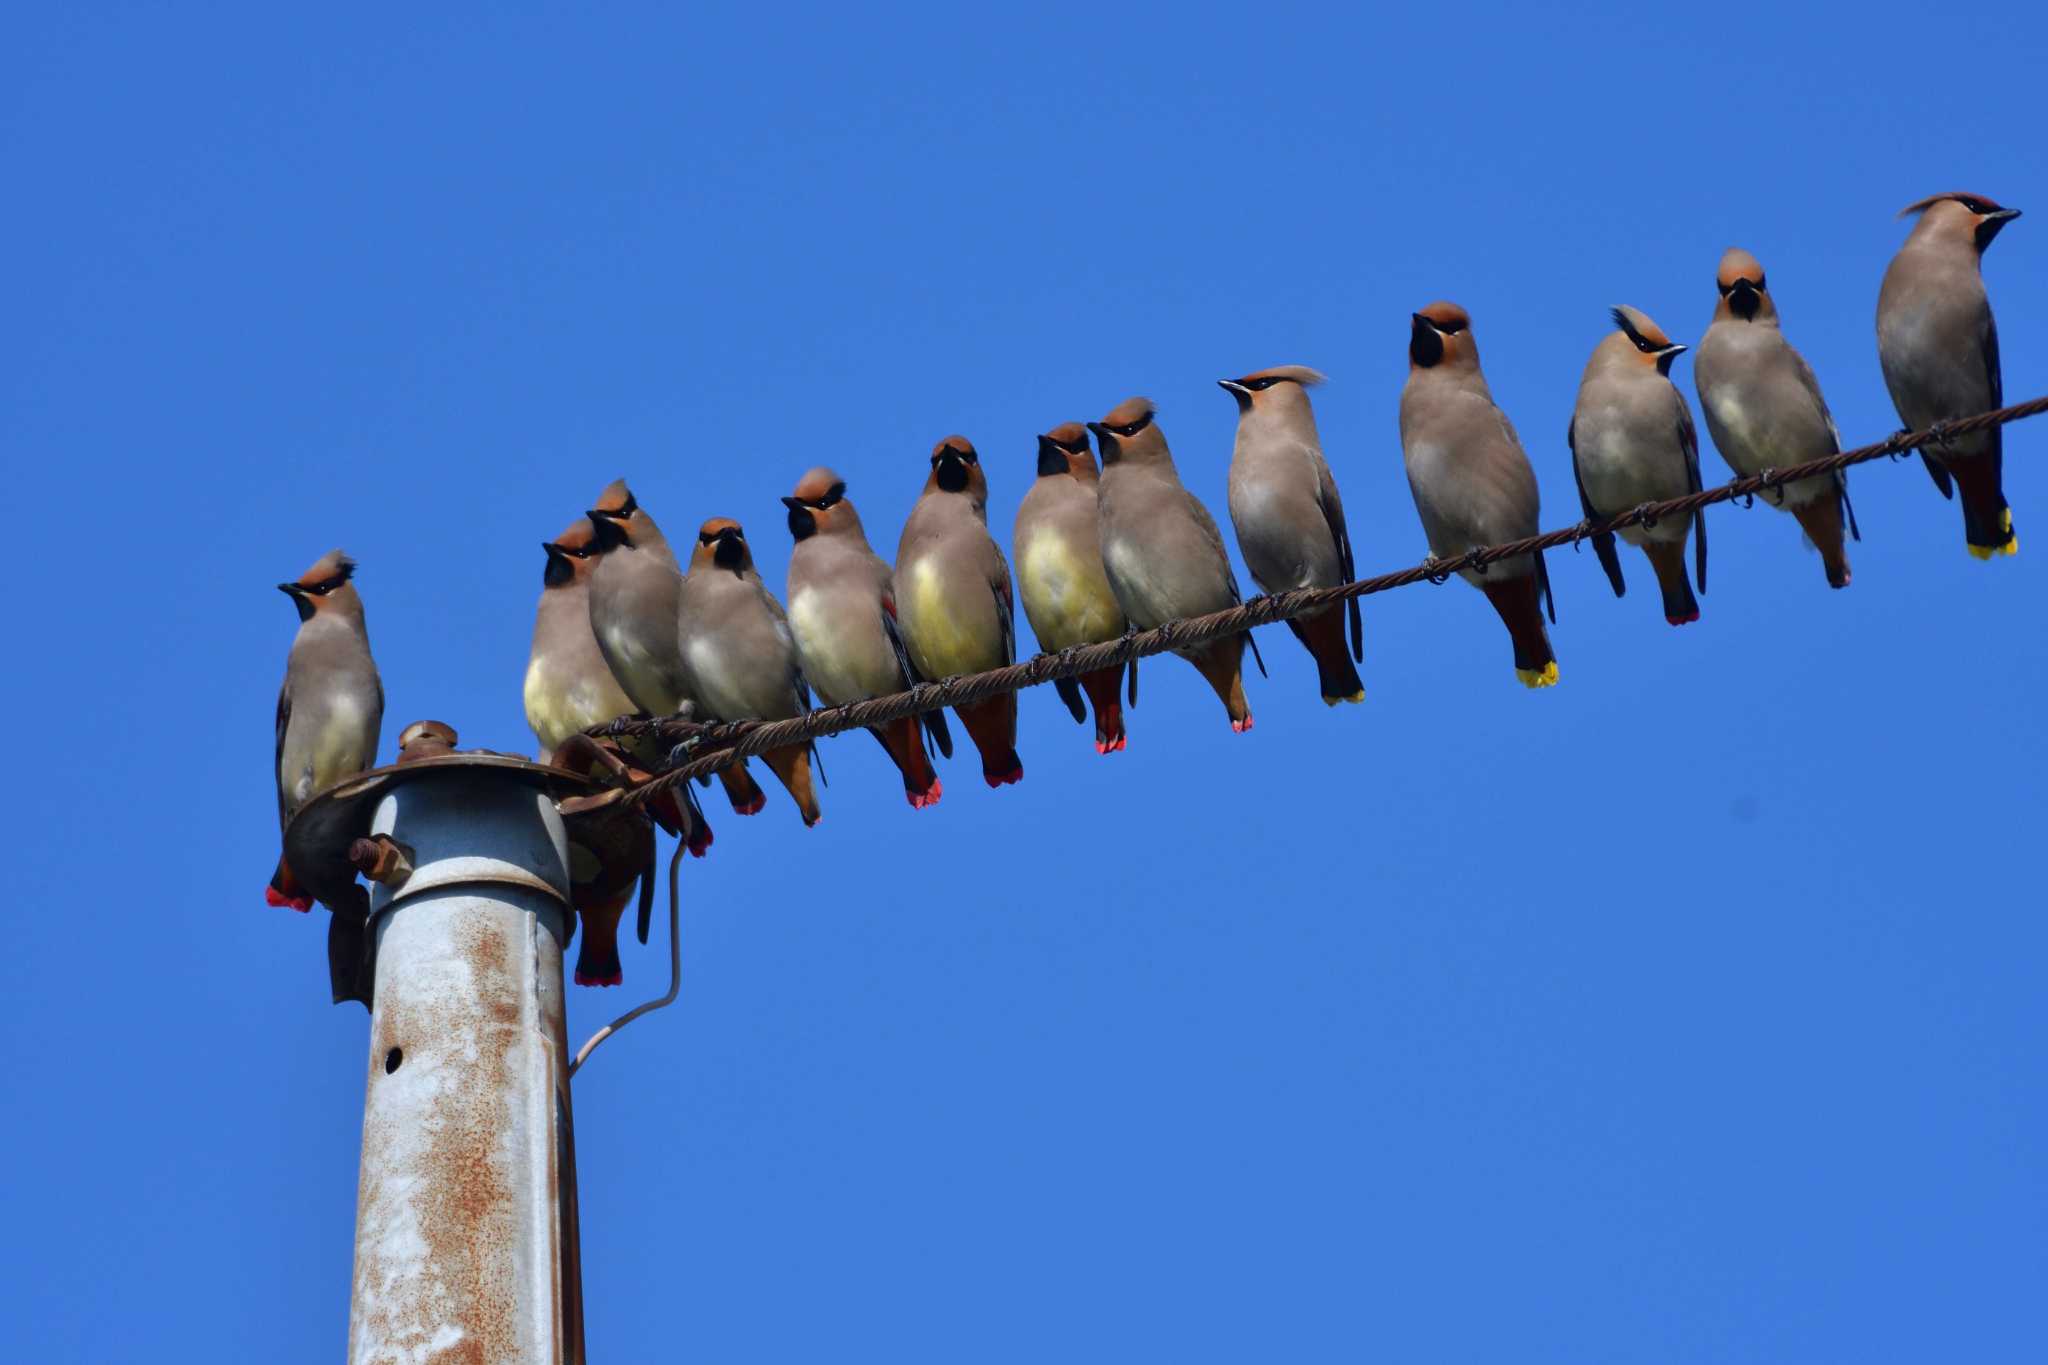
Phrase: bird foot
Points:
(1645, 515)
(1437, 570)
(1939, 433)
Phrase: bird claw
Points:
(680, 754)
(1938, 433)
(1902, 443)
(1580, 532)
(1646, 516)
(1437, 570)
(1472, 561)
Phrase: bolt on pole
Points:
(466, 1220)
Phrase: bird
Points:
(569, 687)
(1161, 550)
(331, 706)
(1472, 482)
(739, 656)
(953, 599)
(1764, 410)
(1938, 345)
(1632, 442)
(842, 611)
(1067, 597)
(633, 592)
(1289, 518)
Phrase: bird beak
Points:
(1101, 431)
(2002, 216)
(290, 589)
(792, 503)
(1674, 350)
(1235, 389)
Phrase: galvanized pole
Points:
(466, 1246)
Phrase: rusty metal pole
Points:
(466, 1243)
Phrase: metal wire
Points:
(718, 745)
(675, 966)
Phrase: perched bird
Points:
(1939, 348)
(953, 599)
(425, 739)
(1288, 517)
(1472, 482)
(569, 687)
(1764, 409)
(1161, 550)
(1067, 597)
(633, 594)
(1632, 442)
(332, 703)
(738, 653)
(842, 611)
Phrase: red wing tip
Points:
(811, 821)
(271, 896)
(1015, 774)
(1240, 726)
(928, 797)
(753, 807)
(698, 848)
(1112, 746)
(615, 979)
(1682, 620)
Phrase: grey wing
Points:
(1006, 608)
(1994, 437)
(1333, 517)
(934, 722)
(284, 721)
(1603, 542)
(1812, 385)
(1215, 538)
(1689, 441)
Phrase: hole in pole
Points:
(392, 1059)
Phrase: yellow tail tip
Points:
(1545, 676)
(2011, 547)
(1355, 697)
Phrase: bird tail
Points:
(597, 957)
(1070, 693)
(1821, 519)
(792, 768)
(1667, 557)
(1520, 605)
(284, 890)
(992, 725)
(741, 789)
(1101, 687)
(1322, 634)
(901, 741)
(1987, 520)
(1222, 663)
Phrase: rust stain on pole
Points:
(465, 1236)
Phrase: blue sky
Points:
(1688, 1011)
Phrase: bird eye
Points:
(1977, 206)
(704, 538)
(1451, 328)
(1261, 385)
